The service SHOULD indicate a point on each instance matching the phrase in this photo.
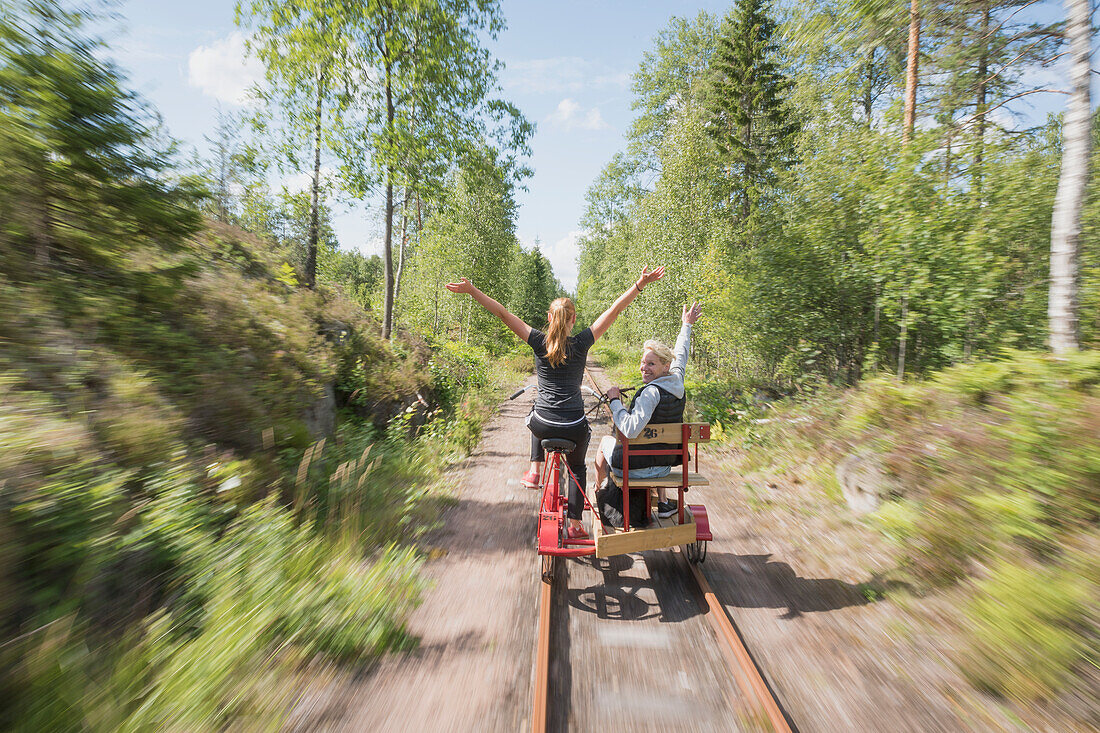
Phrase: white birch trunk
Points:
(1068, 202)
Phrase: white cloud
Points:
(563, 257)
(224, 70)
(560, 75)
(571, 116)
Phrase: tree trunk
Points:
(911, 71)
(1069, 200)
(904, 333)
(948, 161)
(315, 190)
(979, 107)
(387, 247)
(878, 316)
(868, 88)
(746, 209)
(401, 247)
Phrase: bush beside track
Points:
(210, 479)
(990, 511)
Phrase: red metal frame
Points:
(553, 513)
(685, 455)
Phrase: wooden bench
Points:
(670, 531)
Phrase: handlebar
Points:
(588, 390)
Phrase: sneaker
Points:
(530, 480)
(576, 533)
(667, 508)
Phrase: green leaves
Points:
(821, 245)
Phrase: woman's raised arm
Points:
(599, 328)
(518, 327)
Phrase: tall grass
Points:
(994, 473)
(195, 590)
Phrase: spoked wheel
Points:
(696, 551)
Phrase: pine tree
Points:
(747, 114)
(85, 179)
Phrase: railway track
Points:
(699, 677)
(641, 641)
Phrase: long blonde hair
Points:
(562, 314)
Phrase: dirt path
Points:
(473, 668)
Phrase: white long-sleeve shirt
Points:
(631, 422)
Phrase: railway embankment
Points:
(923, 553)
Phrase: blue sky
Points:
(568, 65)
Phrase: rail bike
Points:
(689, 528)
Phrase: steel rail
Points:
(740, 662)
(542, 663)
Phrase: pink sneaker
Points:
(576, 533)
(530, 479)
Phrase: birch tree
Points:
(302, 45)
(1072, 182)
(420, 98)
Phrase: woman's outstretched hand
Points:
(649, 276)
(692, 313)
(462, 286)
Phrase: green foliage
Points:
(994, 493)
(471, 233)
(84, 182)
(457, 370)
(1025, 628)
(870, 255)
(534, 287)
(665, 78)
(175, 544)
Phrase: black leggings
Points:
(579, 434)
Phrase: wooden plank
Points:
(662, 534)
(672, 480)
(670, 433)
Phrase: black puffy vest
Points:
(669, 410)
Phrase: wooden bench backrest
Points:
(672, 433)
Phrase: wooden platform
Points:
(670, 481)
(659, 534)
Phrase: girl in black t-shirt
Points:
(559, 366)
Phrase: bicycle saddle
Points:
(558, 445)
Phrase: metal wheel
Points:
(547, 568)
(696, 551)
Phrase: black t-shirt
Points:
(560, 387)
